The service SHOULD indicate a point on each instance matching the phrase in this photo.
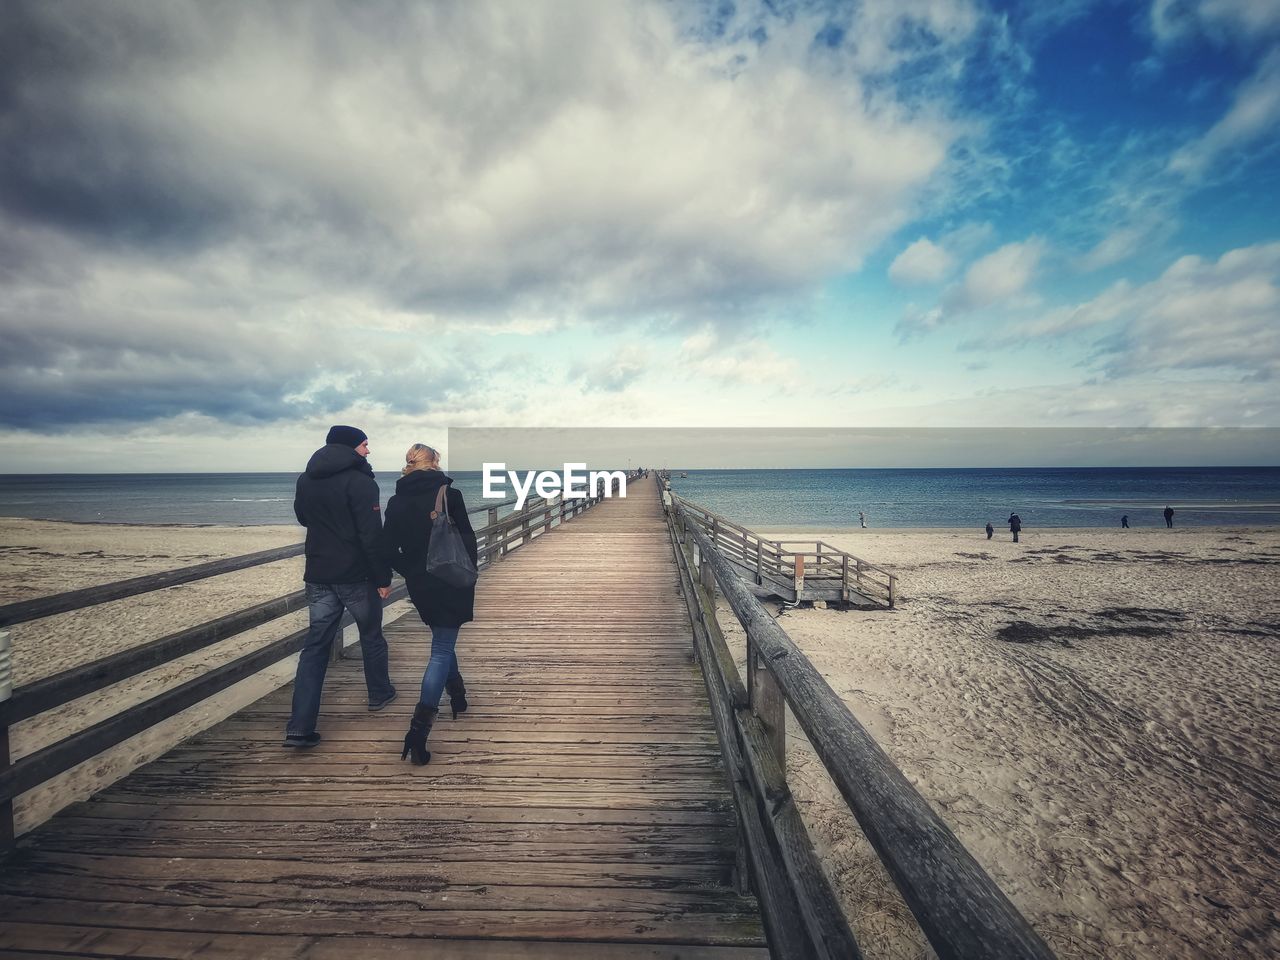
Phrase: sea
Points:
(1045, 497)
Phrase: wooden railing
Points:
(496, 539)
(798, 563)
(960, 909)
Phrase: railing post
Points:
(799, 580)
(893, 584)
(493, 552)
(759, 562)
(6, 691)
(771, 707)
(766, 701)
(707, 577)
(844, 578)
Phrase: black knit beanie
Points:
(347, 436)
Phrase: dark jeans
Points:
(327, 601)
(443, 665)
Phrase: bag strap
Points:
(442, 503)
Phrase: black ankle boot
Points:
(457, 696)
(415, 741)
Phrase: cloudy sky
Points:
(225, 225)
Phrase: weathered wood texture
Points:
(578, 809)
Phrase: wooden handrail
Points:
(40, 607)
(790, 922)
(36, 768)
(49, 692)
(960, 909)
(25, 610)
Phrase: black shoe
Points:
(457, 698)
(301, 739)
(415, 741)
(375, 707)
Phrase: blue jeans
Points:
(327, 601)
(443, 665)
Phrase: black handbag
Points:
(447, 556)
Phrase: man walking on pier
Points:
(337, 500)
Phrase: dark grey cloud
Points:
(188, 183)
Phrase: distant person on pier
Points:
(862, 519)
(337, 500)
(443, 607)
(1015, 525)
(990, 530)
(1124, 522)
(1168, 517)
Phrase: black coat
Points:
(405, 538)
(337, 501)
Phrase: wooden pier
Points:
(579, 809)
(618, 788)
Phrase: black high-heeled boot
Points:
(415, 741)
(457, 696)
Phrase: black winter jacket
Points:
(404, 545)
(337, 501)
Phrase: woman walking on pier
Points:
(443, 608)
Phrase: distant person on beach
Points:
(1124, 522)
(1168, 517)
(990, 530)
(862, 519)
(337, 500)
(442, 607)
(1015, 525)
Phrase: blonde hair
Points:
(421, 457)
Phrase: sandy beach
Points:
(1094, 712)
(40, 557)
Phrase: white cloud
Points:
(1129, 402)
(584, 154)
(923, 262)
(342, 185)
(1172, 21)
(1199, 315)
(751, 362)
(1118, 245)
(613, 373)
(1253, 114)
(996, 277)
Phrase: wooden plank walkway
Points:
(578, 810)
